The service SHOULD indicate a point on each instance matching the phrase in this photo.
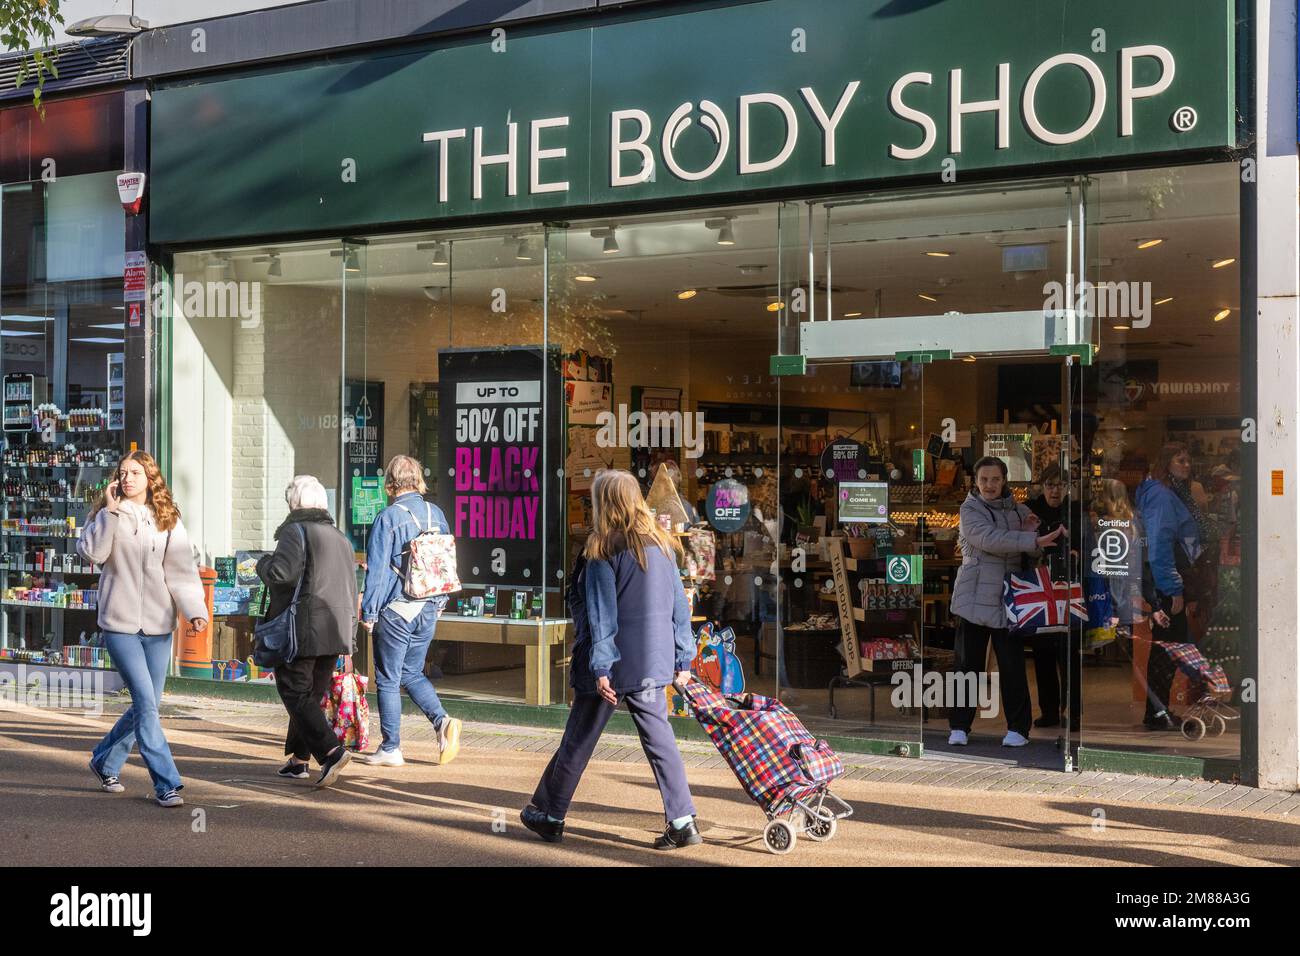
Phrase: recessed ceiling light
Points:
(776, 306)
(1222, 315)
(1148, 243)
(1120, 328)
(851, 315)
(927, 298)
(522, 253)
(687, 294)
(939, 255)
(969, 358)
(1220, 263)
(585, 278)
(1165, 300)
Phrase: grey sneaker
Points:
(107, 782)
(171, 798)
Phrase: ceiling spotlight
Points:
(585, 278)
(1120, 328)
(274, 269)
(939, 255)
(1222, 315)
(1148, 243)
(1220, 263)
(607, 233)
(522, 253)
(1165, 301)
(435, 292)
(352, 263)
(687, 294)
(775, 306)
(723, 224)
(852, 315)
(927, 298)
(969, 358)
(439, 257)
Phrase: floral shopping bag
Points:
(347, 709)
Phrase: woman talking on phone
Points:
(135, 533)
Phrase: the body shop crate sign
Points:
(500, 460)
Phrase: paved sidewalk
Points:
(905, 812)
(929, 771)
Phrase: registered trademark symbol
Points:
(1184, 119)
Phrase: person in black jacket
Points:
(326, 623)
(1052, 652)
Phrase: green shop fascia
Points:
(681, 106)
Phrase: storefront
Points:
(798, 269)
(74, 379)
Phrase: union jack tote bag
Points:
(1038, 605)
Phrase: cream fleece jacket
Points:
(140, 588)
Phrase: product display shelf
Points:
(9, 602)
(8, 533)
(80, 453)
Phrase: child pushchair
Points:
(1208, 690)
(783, 768)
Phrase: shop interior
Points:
(62, 325)
(678, 315)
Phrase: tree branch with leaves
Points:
(29, 26)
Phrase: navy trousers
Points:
(587, 720)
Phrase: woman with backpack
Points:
(313, 562)
(403, 626)
(135, 533)
(633, 630)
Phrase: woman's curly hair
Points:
(159, 496)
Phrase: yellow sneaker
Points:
(448, 739)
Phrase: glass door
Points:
(854, 504)
(942, 329)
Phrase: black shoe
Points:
(674, 839)
(1046, 721)
(333, 766)
(294, 769)
(1160, 722)
(539, 823)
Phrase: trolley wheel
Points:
(1193, 728)
(821, 827)
(1218, 726)
(779, 837)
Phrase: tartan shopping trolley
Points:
(1208, 688)
(783, 768)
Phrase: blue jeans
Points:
(400, 650)
(142, 661)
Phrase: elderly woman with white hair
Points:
(402, 627)
(311, 550)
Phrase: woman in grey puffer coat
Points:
(996, 534)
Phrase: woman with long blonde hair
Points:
(148, 574)
(634, 637)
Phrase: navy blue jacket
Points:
(389, 535)
(632, 625)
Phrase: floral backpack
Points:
(428, 562)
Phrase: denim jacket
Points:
(392, 531)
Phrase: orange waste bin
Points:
(194, 652)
